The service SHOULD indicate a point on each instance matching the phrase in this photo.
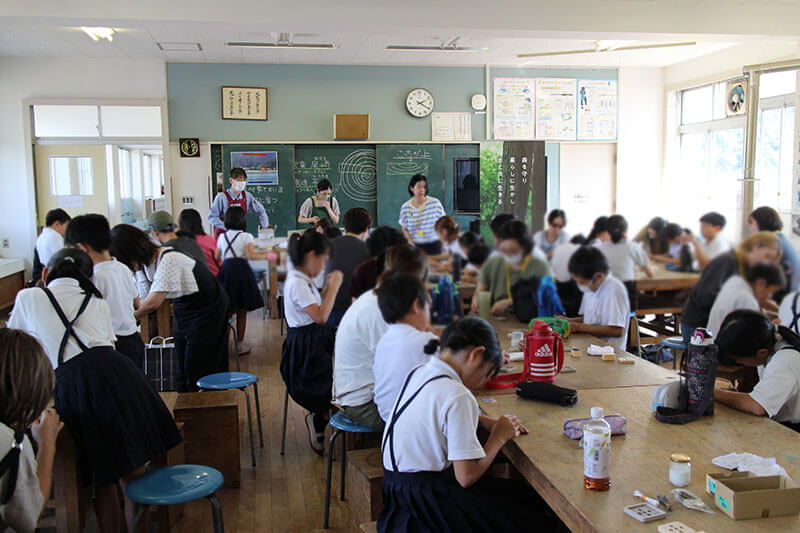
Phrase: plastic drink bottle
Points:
(597, 452)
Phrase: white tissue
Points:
(599, 350)
(516, 356)
(747, 462)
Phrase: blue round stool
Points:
(238, 380)
(675, 343)
(173, 485)
(341, 426)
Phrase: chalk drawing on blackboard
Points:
(358, 176)
(407, 168)
(261, 167)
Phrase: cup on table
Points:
(484, 304)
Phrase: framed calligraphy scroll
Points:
(244, 103)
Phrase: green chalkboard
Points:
(350, 169)
(276, 197)
(396, 164)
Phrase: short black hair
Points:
(657, 224)
(469, 239)
(713, 218)
(56, 215)
(617, 227)
(131, 246)
(357, 220)
(416, 178)
(767, 219)
(238, 172)
(578, 239)
(397, 293)
(324, 185)
(470, 332)
(499, 221)
(190, 221)
(518, 231)
(769, 272)
(332, 232)
(309, 241)
(672, 231)
(90, 230)
(383, 238)
(236, 218)
(478, 254)
(556, 213)
(587, 261)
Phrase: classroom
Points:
(387, 267)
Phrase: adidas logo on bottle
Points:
(544, 351)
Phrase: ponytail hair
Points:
(470, 332)
(617, 227)
(74, 264)
(598, 228)
(744, 332)
(309, 241)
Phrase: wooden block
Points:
(364, 478)
(351, 126)
(609, 357)
(211, 429)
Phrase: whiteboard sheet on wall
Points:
(514, 108)
(597, 110)
(451, 126)
(556, 101)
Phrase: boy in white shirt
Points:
(605, 310)
(753, 291)
(51, 239)
(713, 244)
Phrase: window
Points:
(130, 121)
(65, 121)
(777, 83)
(774, 158)
(71, 176)
(96, 121)
(697, 105)
(125, 177)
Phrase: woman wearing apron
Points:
(117, 421)
(419, 215)
(200, 305)
(321, 205)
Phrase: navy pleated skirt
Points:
(307, 366)
(236, 276)
(117, 421)
(132, 347)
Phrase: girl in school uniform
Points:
(365, 276)
(598, 234)
(419, 214)
(117, 421)
(653, 237)
(448, 232)
(306, 365)
(190, 224)
(753, 291)
(234, 248)
(624, 258)
(26, 386)
(199, 303)
(432, 459)
(546, 240)
(748, 338)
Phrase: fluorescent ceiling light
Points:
(412, 48)
(302, 46)
(99, 32)
(180, 47)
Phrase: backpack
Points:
(549, 301)
(446, 301)
(525, 299)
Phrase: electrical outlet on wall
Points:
(187, 200)
(5, 243)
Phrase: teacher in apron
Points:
(235, 196)
(418, 216)
(320, 206)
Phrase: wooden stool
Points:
(365, 476)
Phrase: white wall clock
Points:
(419, 102)
(478, 102)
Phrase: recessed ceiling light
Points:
(180, 47)
(99, 32)
(303, 46)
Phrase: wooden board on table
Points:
(666, 280)
(553, 464)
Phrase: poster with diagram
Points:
(597, 110)
(513, 108)
(556, 99)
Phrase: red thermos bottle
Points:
(544, 353)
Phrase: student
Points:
(605, 310)
(789, 312)
(419, 214)
(546, 240)
(514, 263)
(234, 248)
(749, 339)
(468, 239)
(349, 251)
(26, 386)
(117, 421)
(623, 257)
(568, 291)
(199, 303)
(162, 228)
(496, 225)
(365, 276)
(320, 206)
(713, 244)
(448, 232)
(767, 219)
(762, 247)
(653, 238)
(432, 459)
(51, 239)
(476, 257)
(306, 365)
(405, 306)
(753, 291)
(191, 225)
(598, 234)
(361, 328)
(92, 234)
(677, 240)
(237, 196)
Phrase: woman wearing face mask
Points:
(235, 196)
(514, 262)
(321, 205)
(418, 216)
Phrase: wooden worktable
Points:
(553, 464)
(666, 280)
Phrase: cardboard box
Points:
(712, 479)
(757, 497)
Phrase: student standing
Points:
(162, 229)
(419, 215)
(92, 234)
(237, 196)
(51, 239)
(349, 251)
(753, 291)
(306, 365)
(365, 276)
(713, 243)
(766, 218)
(191, 225)
(321, 205)
(546, 240)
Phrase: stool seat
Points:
(674, 343)
(342, 423)
(227, 380)
(175, 484)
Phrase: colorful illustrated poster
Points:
(556, 99)
(513, 108)
(261, 167)
(597, 110)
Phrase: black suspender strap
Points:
(68, 324)
(230, 243)
(795, 314)
(10, 464)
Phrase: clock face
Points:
(478, 102)
(419, 103)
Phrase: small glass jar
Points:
(680, 469)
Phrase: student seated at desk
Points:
(568, 291)
(476, 257)
(433, 462)
(713, 243)
(605, 310)
(677, 240)
(653, 238)
(624, 258)
(753, 291)
(349, 251)
(448, 232)
(765, 218)
(748, 338)
(546, 240)
(599, 234)
(365, 276)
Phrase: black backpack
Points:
(525, 300)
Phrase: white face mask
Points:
(239, 186)
(584, 288)
(513, 259)
(324, 197)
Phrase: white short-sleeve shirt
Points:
(361, 328)
(540, 241)
(624, 258)
(454, 248)
(171, 273)
(22, 512)
(239, 240)
(715, 246)
(400, 349)
(735, 294)
(48, 243)
(115, 282)
(34, 314)
(298, 293)
(438, 427)
(559, 262)
(609, 305)
(778, 390)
